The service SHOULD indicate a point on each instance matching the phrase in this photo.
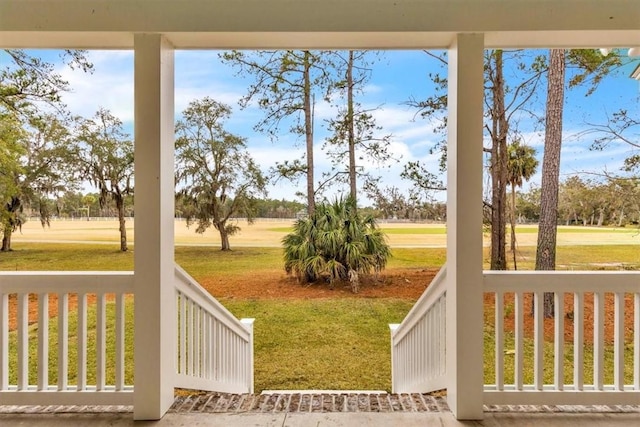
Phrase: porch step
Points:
(302, 401)
(323, 392)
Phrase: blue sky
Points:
(396, 77)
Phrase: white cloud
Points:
(110, 86)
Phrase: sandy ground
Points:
(267, 233)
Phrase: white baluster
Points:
(558, 360)
(598, 340)
(224, 347)
(216, 350)
(63, 341)
(443, 334)
(423, 356)
(82, 341)
(190, 338)
(415, 353)
(234, 359)
(538, 340)
(206, 347)
(436, 342)
(101, 329)
(43, 341)
(227, 355)
(23, 341)
(203, 343)
(519, 340)
(499, 337)
(618, 342)
(120, 348)
(230, 353)
(578, 341)
(433, 350)
(196, 336)
(182, 344)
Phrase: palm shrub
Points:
(335, 243)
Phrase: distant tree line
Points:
(606, 201)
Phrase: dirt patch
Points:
(394, 283)
(549, 324)
(53, 307)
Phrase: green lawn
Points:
(548, 360)
(204, 261)
(322, 344)
(593, 257)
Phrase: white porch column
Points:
(464, 228)
(154, 212)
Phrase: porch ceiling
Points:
(385, 24)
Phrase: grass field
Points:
(203, 261)
(269, 233)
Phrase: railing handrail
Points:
(424, 303)
(193, 289)
(66, 281)
(565, 281)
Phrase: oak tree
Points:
(217, 178)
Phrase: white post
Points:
(154, 211)
(464, 228)
(393, 327)
(248, 323)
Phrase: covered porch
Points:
(183, 337)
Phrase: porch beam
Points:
(464, 228)
(154, 213)
(318, 23)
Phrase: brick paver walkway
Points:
(298, 402)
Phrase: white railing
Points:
(215, 350)
(37, 360)
(587, 385)
(418, 344)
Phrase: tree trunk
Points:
(621, 217)
(498, 170)
(6, 240)
(308, 130)
(547, 229)
(601, 218)
(121, 220)
(513, 225)
(351, 130)
(224, 237)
